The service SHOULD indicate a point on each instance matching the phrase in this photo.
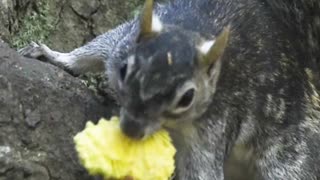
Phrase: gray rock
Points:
(41, 109)
(61, 24)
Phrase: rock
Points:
(41, 109)
(61, 24)
(5, 7)
(85, 8)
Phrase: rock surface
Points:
(41, 109)
(61, 24)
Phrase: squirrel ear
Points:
(149, 23)
(213, 50)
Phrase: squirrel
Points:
(218, 75)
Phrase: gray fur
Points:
(261, 97)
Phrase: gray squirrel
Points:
(219, 75)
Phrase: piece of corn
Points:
(104, 150)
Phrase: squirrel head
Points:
(169, 78)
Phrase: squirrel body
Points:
(218, 74)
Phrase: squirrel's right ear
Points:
(150, 24)
(212, 51)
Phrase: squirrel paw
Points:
(43, 53)
(33, 50)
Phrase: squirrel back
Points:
(302, 19)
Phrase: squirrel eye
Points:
(186, 99)
(123, 71)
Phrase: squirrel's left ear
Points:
(211, 51)
(150, 24)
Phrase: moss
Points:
(36, 25)
(136, 11)
(135, 7)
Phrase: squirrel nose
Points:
(132, 129)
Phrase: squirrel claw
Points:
(33, 50)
